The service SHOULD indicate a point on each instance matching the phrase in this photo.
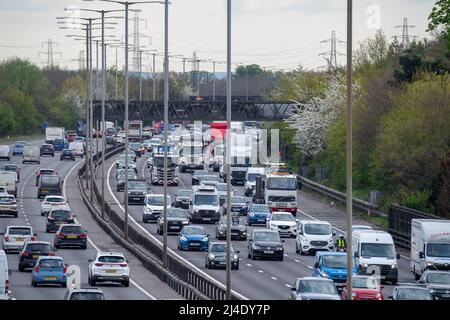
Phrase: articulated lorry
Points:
(240, 158)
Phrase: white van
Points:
(314, 236)
(8, 179)
(31, 154)
(430, 245)
(250, 179)
(4, 274)
(5, 152)
(77, 148)
(375, 251)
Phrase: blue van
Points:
(60, 144)
(332, 265)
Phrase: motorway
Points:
(256, 279)
(143, 285)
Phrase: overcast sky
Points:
(273, 33)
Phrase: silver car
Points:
(15, 237)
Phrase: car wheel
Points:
(92, 282)
(237, 267)
(16, 215)
(281, 258)
(297, 250)
(57, 246)
(33, 283)
(21, 268)
(84, 247)
(64, 284)
(126, 283)
(394, 282)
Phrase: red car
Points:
(364, 288)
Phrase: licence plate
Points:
(194, 244)
(35, 257)
(110, 271)
(174, 227)
(222, 262)
(20, 239)
(136, 198)
(268, 251)
(72, 236)
(446, 296)
(3, 207)
(206, 219)
(49, 278)
(234, 234)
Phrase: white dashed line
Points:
(309, 267)
(288, 285)
(297, 260)
(286, 255)
(260, 271)
(248, 264)
(274, 278)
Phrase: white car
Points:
(109, 267)
(52, 202)
(154, 206)
(14, 237)
(284, 223)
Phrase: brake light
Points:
(98, 264)
(33, 238)
(83, 235)
(6, 238)
(60, 235)
(36, 269)
(13, 202)
(124, 265)
(50, 218)
(25, 254)
(65, 269)
(6, 285)
(51, 253)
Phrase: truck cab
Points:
(430, 245)
(375, 252)
(280, 192)
(157, 166)
(205, 206)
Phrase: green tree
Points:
(7, 123)
(252, 70)
(440, 18)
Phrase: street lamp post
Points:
(228, 148)
(154, 77)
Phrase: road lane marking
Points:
(274, 278)
(288, 285)
(248, 264)
(260, 271)
(93, 244)
(157, 241)
(296, 260)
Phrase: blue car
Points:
(193, 238)
(49, 270)
(17, 148)
(332, 265)
(257, 214)
(60, 144)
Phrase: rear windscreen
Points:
(39, 247)
(111, 259)
(72, 230)
(20, 231)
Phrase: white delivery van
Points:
(430, 245)
(314, 236)
(4, 274)
(53, 133)
(77, 148)
(31, 154)
(375, 252)
(250, 179)
(8, 179)
(5, 152)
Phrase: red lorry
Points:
(218, 129)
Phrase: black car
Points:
(49, 185)
(437, 283)
(110, 140)
(42, 172)
(58, 217)
(47, 149)
(31, 252)
(137, 189)
(239, 205)
(183, 198)
(176, 220)
(67, 154)
(238, 229)
(136, 147)
(410, 292)
(121, 181)
(71, 235)
(196, 174)
(265, 243)
(216, 256)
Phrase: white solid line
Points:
(93, 244)
(248, 264)
(309, 267)
(296, 260)
(287, 285)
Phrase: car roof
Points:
(38, 242)
(70, 225)
(23, 227)
(328, 253)
(93, 290)
(315, 279)
(50, 258)
(314, 221)
(110, 253)
(265, 230)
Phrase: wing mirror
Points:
(293, 289)
(207, 234)
(316, 265)
(398, 256)
(9, 272)
(90, 260)
(283, 240)
(238, 251)
(421, 255)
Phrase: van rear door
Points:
(4, 273)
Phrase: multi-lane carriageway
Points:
(256, 279)
(259, 279)
(143, 285)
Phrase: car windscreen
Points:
(282, 217)
(55, 200)
(6, 199)
(46, 171)
(134, 146)
(42, 247)
(234, 221)
(365, 283)
(18, 145)
(317, 229)
(260, 209)
(221, 187)
(206, 200)
(413, 294)
(10, 167)
(220, 247)
(50, 180)
(382, 250)
(441, 277)
(72, 229)
(60, 214)
(141, 186)
(200, 173)
(281, 183)
(238, 200)
(50, 263)
(19, 231)
(193, 230)
(176, 213)
(312, 286)
(86, 296)
(440, 250)
(335, 261)
(267, 236)
(208, 178)
(156, 201)
(185, 193)
(111, 259)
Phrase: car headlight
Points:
(205, 239)
(256, 247)
(330, 241)
(429, 264)
(394, 266)
(211, 256)
(195, 211)
(324, 274)
(183, 238)
(431, 290)
(272, 225)
(235, 257)
(365, 265)
(148, 210)
(353, 294)
(185, 222)
(280, 248)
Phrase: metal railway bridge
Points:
(149, 111)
